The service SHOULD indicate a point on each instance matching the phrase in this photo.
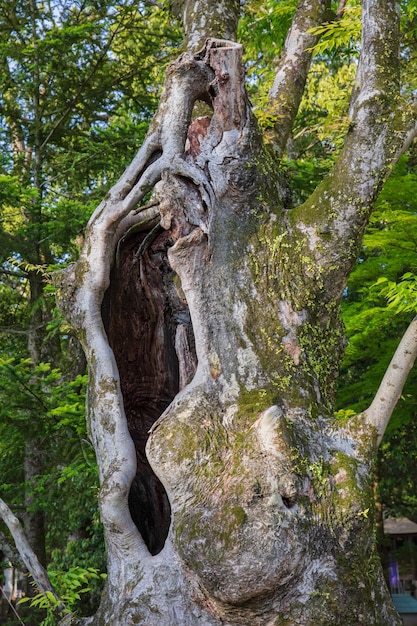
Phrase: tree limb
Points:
(28, 556)
(382, 126)
(378, 72)
(14, 273)
(290, 79)
(390, 389)
(341, 9)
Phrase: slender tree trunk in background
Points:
(211, 325)
(34, 520)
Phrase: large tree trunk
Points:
(210, 322)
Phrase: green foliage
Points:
(78, 91)
(40, 404)
(401, 296)
(342, 35)
(80, 81)
(69, 585)
(397, 466)
(263, 29)
(386, 268)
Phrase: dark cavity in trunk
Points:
(148, 324)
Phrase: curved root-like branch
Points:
(206, 75)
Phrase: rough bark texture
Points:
(208, 18)
(247, 503)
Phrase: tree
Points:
(210, 319)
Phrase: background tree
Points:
(202, 297)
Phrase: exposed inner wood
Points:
(149, 329)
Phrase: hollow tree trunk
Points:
(210, 321)
(269, 504)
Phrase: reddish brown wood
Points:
(143, 309)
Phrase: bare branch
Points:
(290, 79)
(390, 389)
(14, 273)
(28, 556)
(13, 331)
(154, 3)
(409, 131)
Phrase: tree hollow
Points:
(148, 324)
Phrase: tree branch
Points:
(341, 8)
(390, 389)
(378, 72)
(14, 273)
(28, 556)
(336, 214)
(290, 79)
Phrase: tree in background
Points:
(209, 312)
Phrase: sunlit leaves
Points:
(401, 296)
(341, 34)
(262, 30)
(389, 251)
(70, 585)
(375, 326)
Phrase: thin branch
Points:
(29, 558)
(25, 386)
(144, 207)
(154, 3)
(390, 389)
(11, 605)
(13, 273)
(13, 331)
(138, 219)
(341, 9)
